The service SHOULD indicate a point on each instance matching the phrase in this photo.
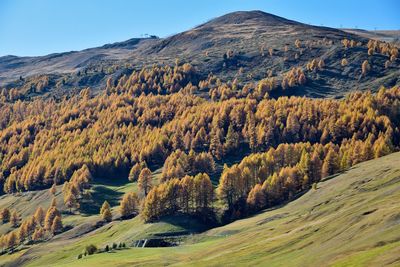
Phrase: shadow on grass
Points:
(114, 181)
(188, 224)
(100, 194)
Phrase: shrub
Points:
(365, 67)
(90, 249)
(344, 62)
(370, 52)
(314, 186)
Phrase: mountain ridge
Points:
(248, 35)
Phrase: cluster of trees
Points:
(12, 217)
(43, 142)
(76, 188)
(315, 64)
(39, 227)
(156, 80)
(384, 48)
(266, 179)
(350, 43)
(189, 195)
(179, 164)
(24, 87)
(292, 78)
(373, 46)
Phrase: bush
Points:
(107, 248)
(90, 249)
(314, 186)
(79, 256)
(114, 245)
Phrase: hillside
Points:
(248, 139)
(248, 38)
(383, 35)
(350, 219)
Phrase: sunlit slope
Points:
(352, 219)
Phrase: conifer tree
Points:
(215, 145)
(14, 219)
(145, 181)
(5, 215)
(231, 140)
(71, 201)
(365, 67)
(39, 216)
(38, 234)
(331, 163)
(129, 205)
(56, 226)
(52, 212)
(53, 202)
(256, 198)
(12, 240)
(105, 212)
(134, 172)
(53, 189)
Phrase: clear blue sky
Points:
(39, 27)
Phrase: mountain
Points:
(12, 67)
(383, 35)
(246, 36)
(187, 150)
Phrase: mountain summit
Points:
(256, 16)
(243, 45)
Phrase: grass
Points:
(352, 219)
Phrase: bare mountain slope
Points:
(242, 45)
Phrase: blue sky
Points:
(39, 27)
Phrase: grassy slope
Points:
(351, 220)
(69, 244)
